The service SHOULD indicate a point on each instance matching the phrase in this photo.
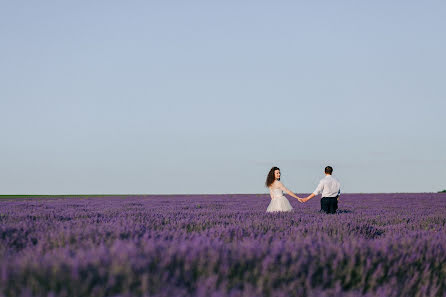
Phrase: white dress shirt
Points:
(328, 186)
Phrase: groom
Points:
(330, 189)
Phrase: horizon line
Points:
(200, 194)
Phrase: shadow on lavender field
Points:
(222, 245)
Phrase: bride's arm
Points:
(283, 188)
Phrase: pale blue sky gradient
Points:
(204, 96)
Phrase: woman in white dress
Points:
(276, 189)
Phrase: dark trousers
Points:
(329, 204)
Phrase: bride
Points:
(276, 189)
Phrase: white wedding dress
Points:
(278, 201)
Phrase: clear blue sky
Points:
(206, 96)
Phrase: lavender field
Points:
(222, 245)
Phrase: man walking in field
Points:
(330, 188)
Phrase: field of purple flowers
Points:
(222, 245)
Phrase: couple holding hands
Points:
(329, 187)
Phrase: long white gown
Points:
(278, 201)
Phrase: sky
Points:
(204, 97)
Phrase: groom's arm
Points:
(316, 192)
(309, 197)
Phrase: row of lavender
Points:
(222, 245)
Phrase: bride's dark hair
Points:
(270, 177)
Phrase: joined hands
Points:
(302, 200)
